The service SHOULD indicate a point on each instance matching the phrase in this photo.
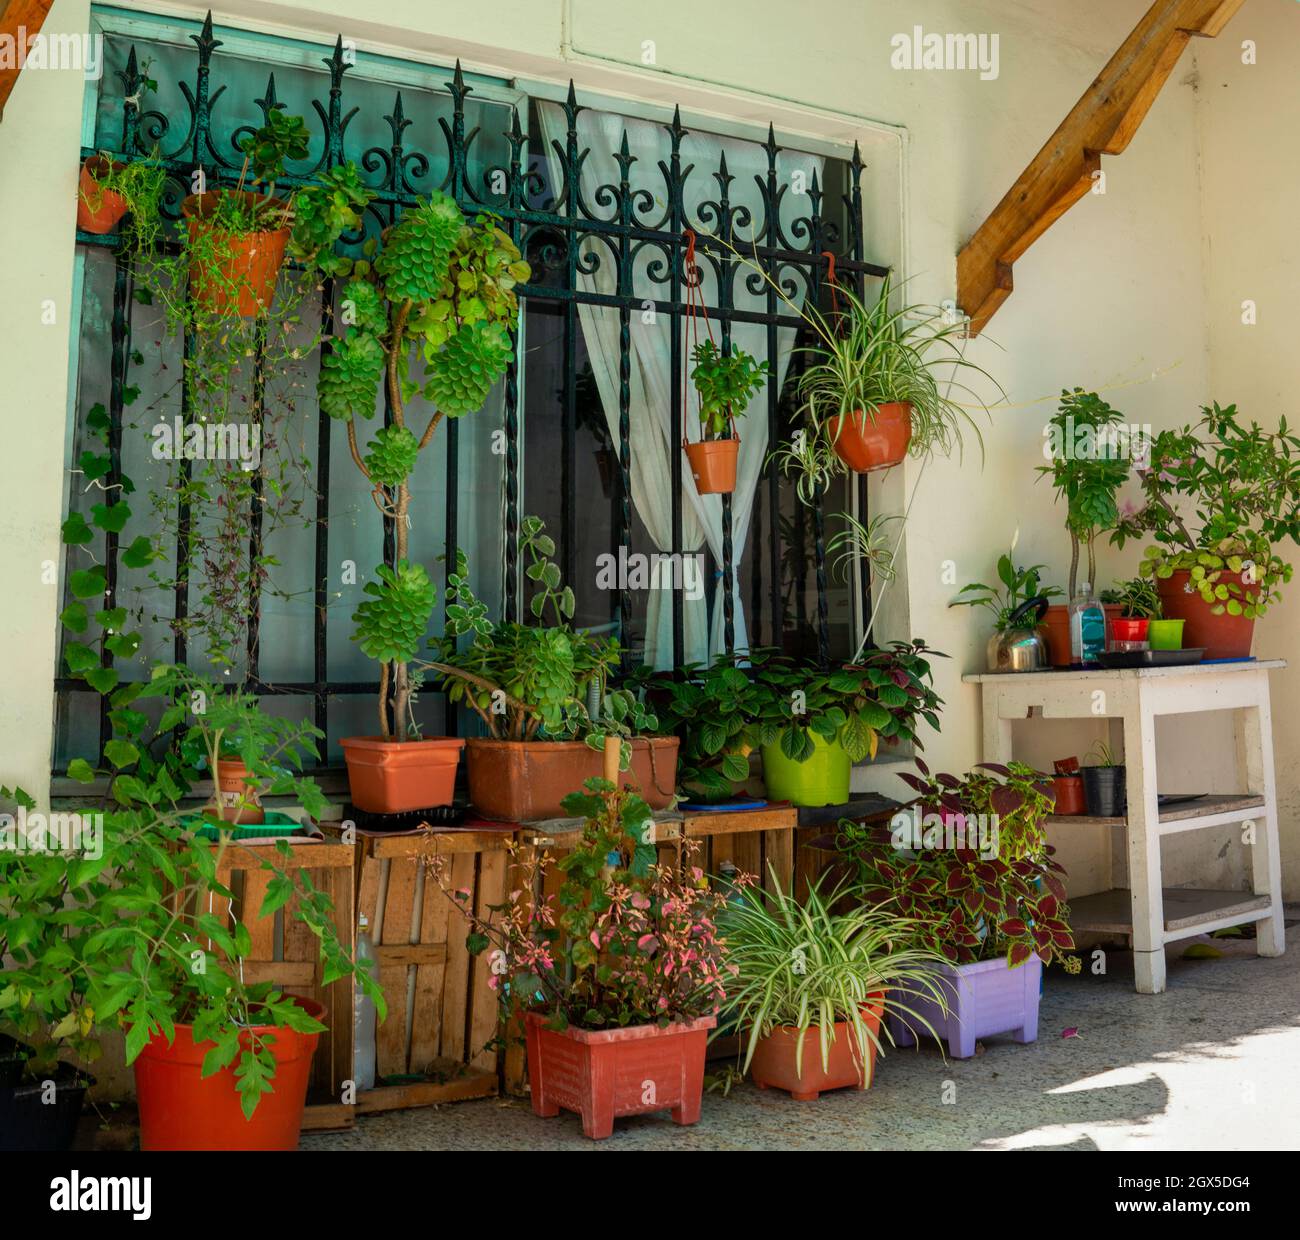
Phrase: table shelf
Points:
(1186, 910)
(1210, 811)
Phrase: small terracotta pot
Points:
(244, 283)
(713, 465)
(400, 777)
(234, 786)
(1057, 621)
(1127, 630)
(1068, 791)
(524, 781)
(1225, 636)
(865, 443)
(775, 1057)
(98, 210)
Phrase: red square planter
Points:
(603, 1074)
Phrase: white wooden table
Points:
(1131, 699)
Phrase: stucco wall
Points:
(1113, 298)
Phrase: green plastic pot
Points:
(822, 780)
(1165, 634)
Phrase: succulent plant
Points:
(462, 372)
(349, 376)
(391, 456)
(414, 258)
(362, 307)
(391, 623)
(322, 213)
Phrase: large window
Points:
(584, 431)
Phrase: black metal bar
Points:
(517, 188)
(771, 202)
(568, 428)
(253, 632)
(622, 603)
(676, 364)
(320, 591)
(450, 721)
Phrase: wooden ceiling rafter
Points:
(20, 20)
(1103, 122)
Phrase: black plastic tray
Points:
(1151, 658)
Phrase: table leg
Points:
(1255, 745)
(1143, 833)
(997, 731)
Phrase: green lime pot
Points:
(822, 780)
(1165, 634)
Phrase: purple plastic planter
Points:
(984, 998)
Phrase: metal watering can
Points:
(1022, 645)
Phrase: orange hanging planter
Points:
(240, 278)
(99, 210)
(867, 442)
(713, 465)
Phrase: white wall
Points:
(1112, 298)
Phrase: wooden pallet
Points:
(285, 952)
(442, 1015)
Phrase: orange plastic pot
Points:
(98, 210)
(606, 1073)
(1225, 636)
(1123, 629)
(713, 465)
(1057, 622)
(524, 781)
(1068, 791)
(399, 777)
(242, 276)
(866, 443)
(180, 1109)
(775, 1062)
(234, 787)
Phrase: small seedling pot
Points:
(1165, 634)
(1127, 630)
(1069, 793)
(99, 210)
(866, 442)
(236, 794)
(1106, 791)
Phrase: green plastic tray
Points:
(276, 824)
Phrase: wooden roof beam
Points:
(1103, 122)
(26, 16)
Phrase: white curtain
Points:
(650, 411)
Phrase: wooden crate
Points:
(442, 1015)
(758, 842)
(285, 952)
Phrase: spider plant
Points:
(872, 356)
(796, 964)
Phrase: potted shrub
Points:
(43, 1015)
(443, 289)
(108, 191)
(814, 725)
(725, 383)
(543, 693)
(1018, 603)
(1139, 604)
(221, 1062)
(995, 912)
(810, 985)
(618, 976)
(1105, 783)
(1089, 463)
(1217, 570)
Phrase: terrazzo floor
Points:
(1209, 1064)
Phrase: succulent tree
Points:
(427, 312)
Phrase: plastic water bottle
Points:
(1087, 627)
(363, 1016)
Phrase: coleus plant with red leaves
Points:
(972, 905)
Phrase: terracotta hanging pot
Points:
(99, 210)
(1223, 637)
(713, 465)
(866, 443)
(241, 277)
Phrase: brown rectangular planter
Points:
(603, 1074)
(400, 777)
(523, 781)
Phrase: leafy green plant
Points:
(1243, 485)
(122, 933)
(726, 383)
(1138, 597)
(429, 311)
(140, 182)
(626, 941)
(970, 906)
(1087, 469)
(532, 681)
(1016, 586)
(1102, 755)
(799, 964)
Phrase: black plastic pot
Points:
(29, 1123)
(1105, 790)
